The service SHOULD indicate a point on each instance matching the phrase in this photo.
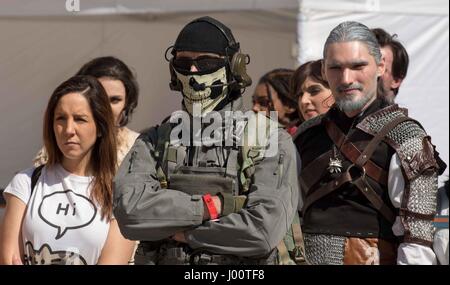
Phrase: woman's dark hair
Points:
(104, 153)
(115, 69)
(280, 79)
(312, 69)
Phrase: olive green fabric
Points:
(258, 219)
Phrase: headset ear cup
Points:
(174, 84)
(239, 70)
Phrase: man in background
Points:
(396, 61)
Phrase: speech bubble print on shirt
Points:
(66, 210)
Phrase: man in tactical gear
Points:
(192, 203)
(369, 172)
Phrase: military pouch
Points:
(231, 204)
(147, 253)
(194, 184)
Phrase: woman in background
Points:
(122, 90)
(311, 90)
(272, 94)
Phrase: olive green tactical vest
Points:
(231, 181)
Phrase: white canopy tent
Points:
(421, 26)
(43, 44)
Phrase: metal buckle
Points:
(361, 171)
(163, 184)
(299, 255)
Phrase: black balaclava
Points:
(202, 36)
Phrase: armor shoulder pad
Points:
(408, 139)
(414, 148)
(373, 123)
(306, 125)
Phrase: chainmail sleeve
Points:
(418, 206)
(420, 168)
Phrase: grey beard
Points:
(347, 105)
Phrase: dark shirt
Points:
(346, 211)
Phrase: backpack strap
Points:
(35, 176)
(283, 254)
(299, 249)
(161, 153)
(291, 250)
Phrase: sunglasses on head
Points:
(202, 63)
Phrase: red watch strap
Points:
(211, 207)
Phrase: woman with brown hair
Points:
(123, 91)
(272, 94)
(61, 213)
(311, 90)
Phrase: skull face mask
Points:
(209, 46)
(208, 90)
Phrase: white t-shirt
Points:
(62, 225)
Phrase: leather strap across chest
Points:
(311, 174)
(361, 161)
(352, 153)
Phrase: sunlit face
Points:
(262, 102)
(315, 99)
(352, 75)
(74, 127)
(117, 96)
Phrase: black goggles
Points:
(202, 63)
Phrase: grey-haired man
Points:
(369, 172)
